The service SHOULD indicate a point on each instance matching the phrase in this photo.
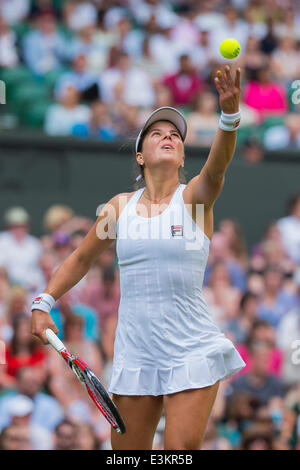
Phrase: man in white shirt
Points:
(289, 228)
(19, 251)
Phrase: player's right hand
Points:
(40, 321)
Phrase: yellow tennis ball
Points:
(230, 48)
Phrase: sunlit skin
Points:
(161, 165)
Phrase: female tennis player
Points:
(168, 353)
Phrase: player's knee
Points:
(183, 444)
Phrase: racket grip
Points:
(54, 340)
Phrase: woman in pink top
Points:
(264, 95)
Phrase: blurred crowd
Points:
(113, 62)
(253, 294)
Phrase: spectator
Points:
(264, 95)
(104, 296)
(82, 79)
(261, 332)
(286, 135)
(65, 436)
(14, 437)
(240, 326)
(44, 48)
(236, 240)
(68, 112)
(203, 121)
(8, 50)
(285, 61)
(100, 124)
(24, 350)
(288, 335)
(222, 297)
(275, 301)
(220, 250)
(66, 307)
(289, 228)
(254, 439)
(19, 251)
(87, 438)
(20, 409)
(259, 383)
(252, 151)
(185, 84)
(137, 89)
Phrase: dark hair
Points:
(292, 202)
(247, 296)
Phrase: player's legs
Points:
(186, 414)
(141, 415)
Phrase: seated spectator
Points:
(19, 251)
(220, 251)
(275, 302)
(4, 293)
(136, 86)
(68, 112)
(266, 96)
(202, 55)
(20, 409)
(253, 58)
(185, 84)
(86, 438)
(47, 411)
(288, 335)
(203, 121)
(65, 307)
(261, 332)
(289, 228)
(252, 151)
(222, 297)
(285, 60)
(100, 124)
(56, 216)
(14, 437)
(240, 326)
(103, 296)
(236, 240)
(284, 136)
(24, 349)
(259, 382)
(81, 78)
(8, 50)
(255, 439)
(44, 48)
(65, 436)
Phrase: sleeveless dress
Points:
(166, 340)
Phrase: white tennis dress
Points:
(166, 339)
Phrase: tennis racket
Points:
(93, 385)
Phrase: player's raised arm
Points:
(75, 267)
(207, 186)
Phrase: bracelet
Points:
(43, 302)
(230, 122)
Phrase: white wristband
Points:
(43, 302)
(230, 122)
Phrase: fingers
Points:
(220, 81)
(237, 82)
(39, 324)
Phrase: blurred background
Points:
(80, 78)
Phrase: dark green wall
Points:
(37, 171)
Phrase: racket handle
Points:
(54, 340)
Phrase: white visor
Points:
(166, 113)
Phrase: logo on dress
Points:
(177, 230)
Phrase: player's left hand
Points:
(229, 90)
